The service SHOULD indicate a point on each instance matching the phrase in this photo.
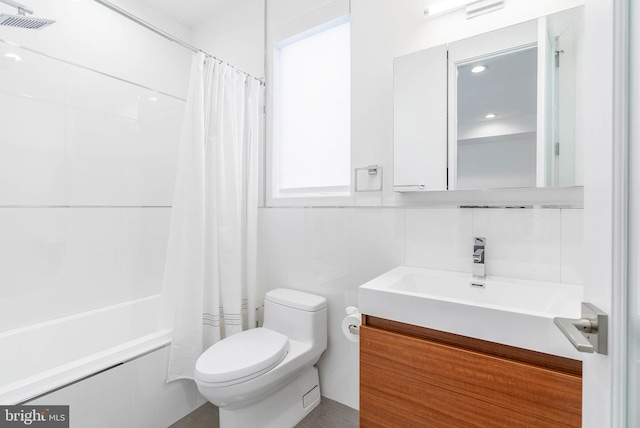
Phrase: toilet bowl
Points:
(265, 377)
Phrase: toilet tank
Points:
(298, 315)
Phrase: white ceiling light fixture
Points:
(474, 7)
(483, 7)
(490, 116)
(479, 69)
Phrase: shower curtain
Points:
(210, 270)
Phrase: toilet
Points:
(265, 377)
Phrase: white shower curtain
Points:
(210, 270)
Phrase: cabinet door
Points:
(420, 120)
(414, 382)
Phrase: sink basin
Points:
(504, 310)
(498, 293)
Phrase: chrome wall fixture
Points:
(364, 182)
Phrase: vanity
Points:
(443, 349)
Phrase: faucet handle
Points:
(479, 242)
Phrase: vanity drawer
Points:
(415, 381)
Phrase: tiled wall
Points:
(60, 261)
(332, 251)
(537, 244)
(91, 112)
(90, 117)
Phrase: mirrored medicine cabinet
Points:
(497, 110)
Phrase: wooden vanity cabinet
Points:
(416, 377)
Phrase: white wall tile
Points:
(61, 261)
(31, 75)
(92, 264)
(32, 260)
(114, 143)
(153, 61)
(572, 251)
(327, 247)
(144, 234)
(150, 153)
(304, 249)
(130, 51)
(521, 243)
(32, 159)
(376, 243)
(94, 157)
(98, 93)
(282, 242)
(439, 238)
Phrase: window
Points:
(312, 95)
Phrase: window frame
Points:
(327, 17)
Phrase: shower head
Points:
(21, 20)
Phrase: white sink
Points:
(510, 311)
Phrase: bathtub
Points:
(42, 357)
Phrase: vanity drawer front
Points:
(393, 400)
(452, 386)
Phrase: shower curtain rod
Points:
(168, 36)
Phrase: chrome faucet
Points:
(477, 268)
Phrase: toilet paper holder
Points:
(354, 326)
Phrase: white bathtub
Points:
(45, 356)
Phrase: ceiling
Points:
(187, 12)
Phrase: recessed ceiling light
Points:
(490, 116)
(479, 68)
(154, 99)
(13, 56)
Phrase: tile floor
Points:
(329, 414)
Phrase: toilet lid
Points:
(243, 355)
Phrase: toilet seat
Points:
(241, 357)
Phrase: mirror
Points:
(496, 121)
(512, 106)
